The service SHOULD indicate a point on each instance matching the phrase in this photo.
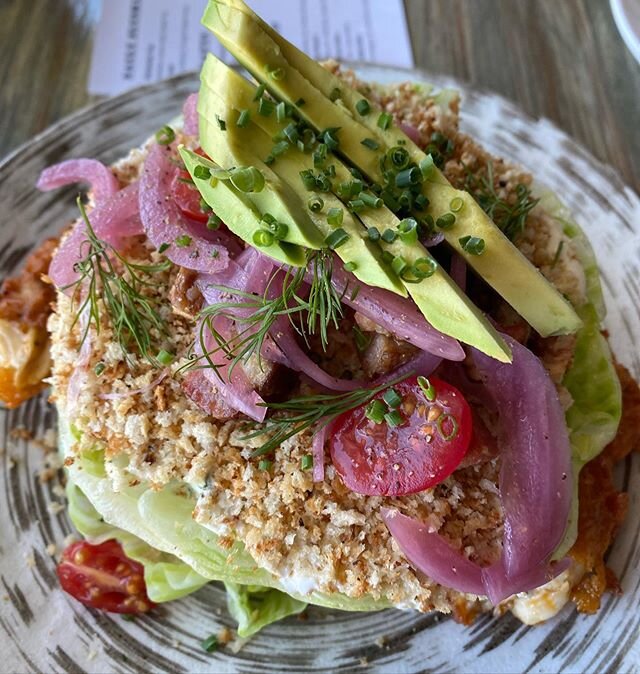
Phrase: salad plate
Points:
(45, 630)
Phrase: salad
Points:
(313, 342)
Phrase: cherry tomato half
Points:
(103, 577)
(380, 459)
(187, 197)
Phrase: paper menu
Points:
(143, 41)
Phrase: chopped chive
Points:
(371, 200)
(420, 202)
(164, 357)
(213, 222)
(269, 159)
(350, 266)
(319, 155)
(306, 462)
(335, 216)
(408, 177)
(268, 219)
(280, 148)
(356, 205)
(280, 231)
(210, 644)
(263, 238)
(337, 238)
(334, 95)
(202, 172)
(265, 464)
(315, 204)
(399, 265)
(446, 221)
(375, 411)
(259, 92)
(247, 179)
(373, 233)
(424, 267)
(291, 133)
(556, 257)
(243, 118)
(387, 256)
(322, 183)
(473, 245)
(456, 204)
(308, 179)
(392, 398)
(399, 157)
(389, 235)
(300, 102)
(362, 107)
(165, 136)
(183, 240)
(162, 247)
(384, 120)
(370, 143)
(427, 388)
(393, 418)
(99, 368)
(330, 171)
(204, 206)
(330, 139)
(408, 229)
(427, 166)
(265, 107)
(354, 293)
(222, 125)
(281, 112)
(442, 419)
(215, 253)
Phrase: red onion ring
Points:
(535, 487)
(163, 221)
(99, 177)
(113, 220)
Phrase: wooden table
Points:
(561, 59)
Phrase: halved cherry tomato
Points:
(379, 459)
(187, 197)
(103, 577)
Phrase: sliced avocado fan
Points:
(235, 209)
(230, 145)
(329, 103)
(438, 297)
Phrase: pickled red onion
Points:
(99, 177)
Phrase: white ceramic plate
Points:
(42, 629)
(626, 14)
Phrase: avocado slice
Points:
(245, 146)
(439, 299)
(264, 53)
(238, 213)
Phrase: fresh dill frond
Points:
(255, 315)
(510, 216)
(101, 282)
(313, 410)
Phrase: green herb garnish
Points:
(106, 278)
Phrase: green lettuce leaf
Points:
(255, 607)
(591, 380)
(179, 555)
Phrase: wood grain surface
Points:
(560, 59)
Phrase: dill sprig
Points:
(255, 315)
(509, 217)
(132, 315)
(313, 410)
